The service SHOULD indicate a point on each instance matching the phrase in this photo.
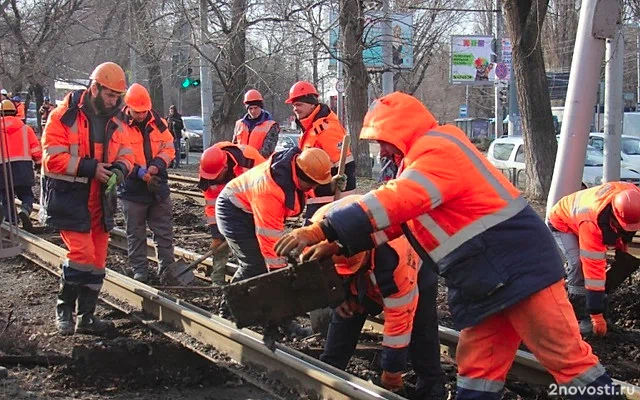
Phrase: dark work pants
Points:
(239, 230)
(25, 194)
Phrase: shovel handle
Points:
(346, 142)
(203, 257)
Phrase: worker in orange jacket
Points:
(23, 152)
(219, 164)
(45, 110)
(469, 224)
(145, 193)
(388, 279)
(87, 151)
(585, 224)
(256, 128)
(321, 128)
(20, 112)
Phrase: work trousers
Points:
(424, 349)
(546, 324)
(178, 157)
(570, 248)
(25, 194)
(239, 229)
(158, 215)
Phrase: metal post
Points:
(206, 86)
(594, 26)
(638, 69)
(498, 86)
(387, 56)
(514, 110)
(613, 108)
(133, 56)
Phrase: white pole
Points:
(206, 86)
(498, 102)
(387, 57)
(593, 28)
(613, 108)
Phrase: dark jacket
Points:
(175, 125)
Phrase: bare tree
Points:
(524, 20)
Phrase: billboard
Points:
(472, 60)
(401, 40)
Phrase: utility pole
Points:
(638, 68)
(339, 71)
(133, 56)
(613, 107)
(387, 56)
(206, 86)
(596, 17)
(498, 85)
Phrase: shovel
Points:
(621, 268)
(181, 274)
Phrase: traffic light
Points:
(189, 81)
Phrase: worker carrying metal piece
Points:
(469, 224)
(257, 128)
(219, 164)
(87, 151)
(585, 224)
(387, 279)
(45, 110)
(145, 193)
(321, 129)
(24, 154)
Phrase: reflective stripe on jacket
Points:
(579, 213)
(23, 149)
(256, 137)
(68, 164)
(154, 147)
(243, 158)
(270, 193)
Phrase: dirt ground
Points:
(133, 363)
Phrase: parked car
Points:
(192, 133)
(287, 141)
(507, 153)
(630, 149)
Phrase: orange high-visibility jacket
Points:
(323, 130)
(460, 214)
(20, 112)
(241, 158)
(23, 149)
(68, 164)
(270, 193)
(578, 213)
(256, 138)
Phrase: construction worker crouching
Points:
(24, 155)
(145, 193)
(387, 279)
(585, 224)
(321, 128)
(219, 164)
(256, 128)
(472, 226)
(87, 151)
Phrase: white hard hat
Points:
(4, 91)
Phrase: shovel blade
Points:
(622, 267)
(178, 274)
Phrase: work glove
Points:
(153, 170)
(599, 324)
(119, 175)
(215, 243)
(320, 251)
(116, 178)
(295, 241)
(392, 381)
(142, 171)
(339, 182)
(153, 183)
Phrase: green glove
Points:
(111, 183)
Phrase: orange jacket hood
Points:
(398, 119)
(12, 124)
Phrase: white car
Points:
(507, 153)
(287, 141)
(630, 149)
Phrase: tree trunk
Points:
(356, 80)
(524, 20)
(155, 87)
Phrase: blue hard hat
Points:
(16, 98)
(46, 98)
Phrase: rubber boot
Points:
(141, 276)
(65, 306)
(26, 222)
(292, 327)
(429, 391)
(219, 269)
(579, 303)
(87, 322)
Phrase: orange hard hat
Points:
(137, 98)
(626, 208)
(316, 164)
(299, 89)
(111, 76)
(212, 163)
(344, 265)
(8, 106)
(252, 95)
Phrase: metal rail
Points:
(246, 347)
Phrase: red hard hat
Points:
(137, 98)
(212, 163)
(299, 89)
(626, 208)
(252, 95)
